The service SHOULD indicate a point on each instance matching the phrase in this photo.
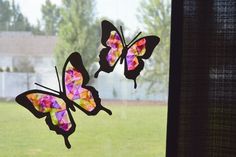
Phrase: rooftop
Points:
(26, 44)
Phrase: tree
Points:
(36, 30)
(8, 69)
(18, 21)
(155, 15)
(51, 17)
(5, 15)
(24, 65)
(11, 18)
(77, 32)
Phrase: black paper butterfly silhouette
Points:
(56, 106)
(116, 48)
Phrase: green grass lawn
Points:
(132, 131)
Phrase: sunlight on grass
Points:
(134, 131)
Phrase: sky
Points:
(126, 10)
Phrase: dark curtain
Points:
(202, 88)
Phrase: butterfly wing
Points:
(113, 43)
(141, 49)
(49, 105)
(75, 78)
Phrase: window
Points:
(137, 126)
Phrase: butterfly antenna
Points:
(122, 34)
(46, 87)
(134, 38)
(58, 79)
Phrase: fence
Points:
(110, 86)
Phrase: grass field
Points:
(132, 131)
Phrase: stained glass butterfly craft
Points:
(116, 48)
(56, 106)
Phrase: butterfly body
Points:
(123, 54)
(56, 105)
(69, 103)
(117, 49)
